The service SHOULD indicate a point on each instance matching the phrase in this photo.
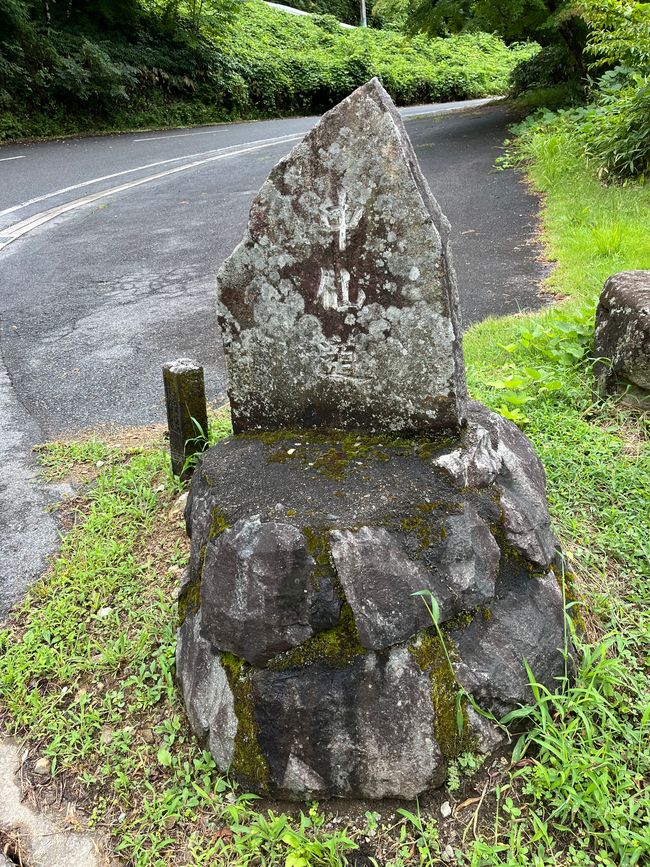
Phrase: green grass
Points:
(584, 798)
(87, 661)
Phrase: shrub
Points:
(615, 132)
(552, 65)
(253, 62)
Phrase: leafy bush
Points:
(251, 62)
(294, 64)
(552, 65)
(615, 132)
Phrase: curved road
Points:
(108, 250)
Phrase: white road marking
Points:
(11, 233)
(34, 201)
(178, 135)
(17, 230)
(6, 159)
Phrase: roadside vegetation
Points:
(123, 64)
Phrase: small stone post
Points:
(187, 415)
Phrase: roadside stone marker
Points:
(623, 337)
(361, 475)
(340, 307)
(187, 414)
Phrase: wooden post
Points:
(187, 414)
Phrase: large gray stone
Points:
(365, 730)
(623, 336)
(340, 307)
(527, 623)
(458, 565)
(260, 593)
(358, 524)
(495, 451)
(208, 698)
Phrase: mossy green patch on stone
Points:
(218, 524)
(427, 650)
(337, 646)
(318, 546)
(189, 599)
(332, 453)
(248, 764)
(418, 526)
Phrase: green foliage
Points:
(332, 62)
(580, 797)
(614, 128)
(619, 32)
(197, 62)
(551, 66)
(511, 19)
(590, 742)
(613, 133)
(546, 352)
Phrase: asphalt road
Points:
(108, 251)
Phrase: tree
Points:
(549, 22)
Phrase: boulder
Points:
(308, 667)
(623, 337)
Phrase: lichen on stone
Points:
(248, 764)
(427, 650)
(337, 646)
(318, 546)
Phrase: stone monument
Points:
(359, 475)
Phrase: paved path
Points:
(108, 250)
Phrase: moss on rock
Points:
(248, 764)
(446, 693)
(218, 524)
(189, 599)
(332, 453)
(337, 646)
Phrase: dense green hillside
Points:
(138, 67)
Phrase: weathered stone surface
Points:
(209, 701)
(187, 413)
(44, 836)
(365, 730)
(458, 566)
(339, 309)
(495, 450)
(378, 519)
(259, 591)
(526, 623)
(623, 336)
(488, 735)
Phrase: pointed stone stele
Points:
(339, 309)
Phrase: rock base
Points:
(307, 665)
